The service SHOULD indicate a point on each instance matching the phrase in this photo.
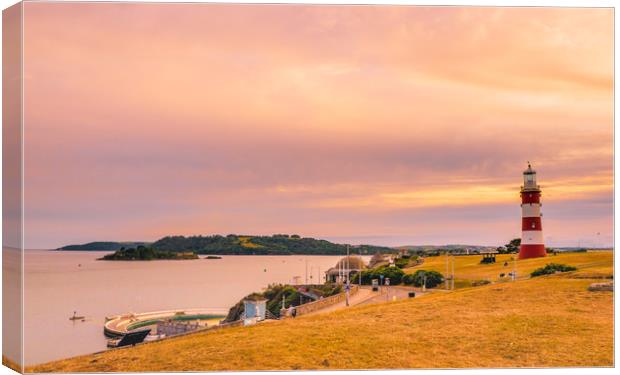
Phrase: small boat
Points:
(76, 317)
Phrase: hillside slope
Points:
(278, 244)
(468, 268)
(547, 321)
(232, 244)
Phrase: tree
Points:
(433, 278)
(512, 246)
(402, 262)
(395, 275)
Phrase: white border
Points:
(539, 3)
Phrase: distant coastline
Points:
(277, 244)
(104, 246)
(142, 253)
(232, 244)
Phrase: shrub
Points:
(402, 262)
(408, 279)
(480, 282)
(395, 275)
(433, 278)
(552, 268)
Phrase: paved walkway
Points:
(366, 296)
(392, 293)
(362, 295)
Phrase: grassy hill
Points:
(232, 244)
(539, 322)
(145, 253)
(468, 268)
(278, 244)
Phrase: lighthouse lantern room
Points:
(532, 245)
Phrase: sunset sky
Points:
(388, 125)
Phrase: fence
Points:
(322, 303)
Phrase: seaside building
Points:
(254, 310)
(346, 266)
(378, 260)
(532, 245)
(488, 256)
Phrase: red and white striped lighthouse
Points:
(532, 245)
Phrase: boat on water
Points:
(77, 317)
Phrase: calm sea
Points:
(59, 283)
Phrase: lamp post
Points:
(453, 272)
(447, 272)
(359, 272)
(348, 267)
(514, 268)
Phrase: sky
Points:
(390, 125)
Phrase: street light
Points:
(447, 271)
(424, 282)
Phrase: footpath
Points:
(366, 296)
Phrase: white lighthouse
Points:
(532, 245)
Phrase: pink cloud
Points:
(144, 119)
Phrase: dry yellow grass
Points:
(545, 321)
(247, 243)
(468, 268)
(11, 364)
